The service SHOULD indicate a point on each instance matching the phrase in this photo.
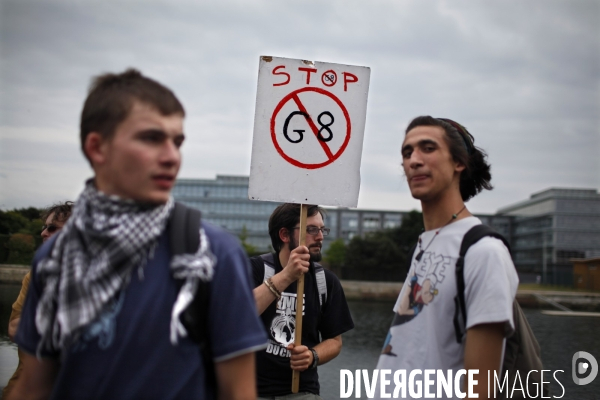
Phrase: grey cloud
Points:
(522, 76)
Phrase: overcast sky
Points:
(523, 76)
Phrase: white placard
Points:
(308, 132)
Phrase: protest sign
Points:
(308, 132)
(308, 135)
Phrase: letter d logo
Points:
(583, 367)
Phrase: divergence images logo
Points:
(580, 367)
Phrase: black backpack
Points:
(184, 238)
(522, 350)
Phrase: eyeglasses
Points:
(314, 231)
(51, 228)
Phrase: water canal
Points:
(559, 338)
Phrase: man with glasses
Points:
(54, 217)
(326, 315)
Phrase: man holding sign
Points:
(308, 135)
(325, 314)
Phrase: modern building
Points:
(552, 227)
(545, 231)
(224, 201)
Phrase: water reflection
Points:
(8, 350)
(559, 338)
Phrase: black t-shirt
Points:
(274, 375)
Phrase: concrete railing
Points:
(10, 273)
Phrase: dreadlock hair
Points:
(476, 176)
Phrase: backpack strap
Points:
(321, 283)
(269, 263)
(471, 237)
(184, 238)
(184, 230)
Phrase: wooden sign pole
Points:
(299, 297)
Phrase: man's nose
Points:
(170, 153)
(416, 159)
(319, 235)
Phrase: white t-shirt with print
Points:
(422, 335)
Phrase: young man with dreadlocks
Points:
(102, 317)
(444, 169)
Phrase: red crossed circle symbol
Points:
(331, 157)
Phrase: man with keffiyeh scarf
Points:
(102, 319)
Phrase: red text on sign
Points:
(281, 73)
(349, 78)
(328, 78)
(308, 71)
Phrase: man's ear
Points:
(284, 235)
(459, 167)
(95, 148)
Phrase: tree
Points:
(336, 255)
(382, 255)
(408, 233)
(20, 249)
(250, 249)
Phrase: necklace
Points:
(423, 250)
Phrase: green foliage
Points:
(250, 249)
(3, 250)
(336, 253)
(23, 220)
(12, 222)
(408, 233)
(382, 255)
(335, 256)
(19, 228)
(21, 248)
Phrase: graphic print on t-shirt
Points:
(283, 326)
(422, 288)
(103, 328)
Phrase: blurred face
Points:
(51, 227)
(428, 165)
(141, 160)
(313, 242)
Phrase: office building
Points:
(224, 202)
(552, 227)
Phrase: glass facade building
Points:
(224, 202)
(545, 231)
(551, 228)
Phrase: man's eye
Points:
(406, 154)
(178, 142)
(151, 138)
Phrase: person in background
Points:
(54, 218)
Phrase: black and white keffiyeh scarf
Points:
(93, 257)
